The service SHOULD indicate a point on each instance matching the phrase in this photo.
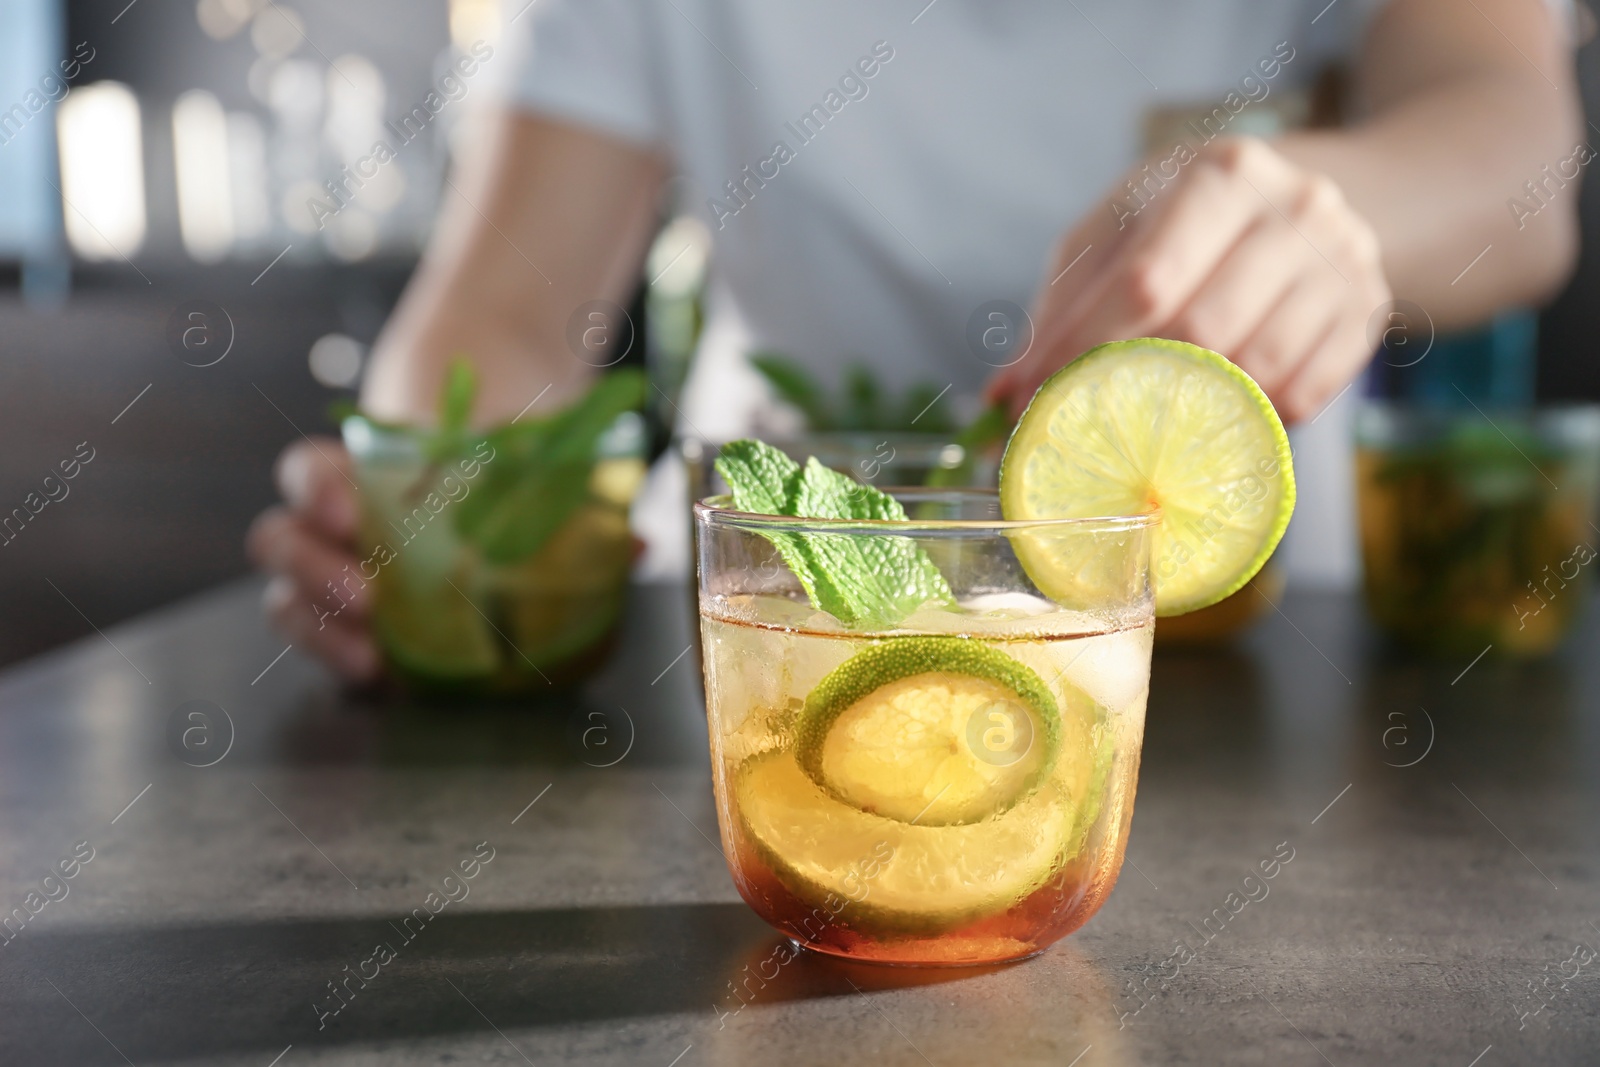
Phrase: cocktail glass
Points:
(453, 623)
(1024, 813)
(1477, 529)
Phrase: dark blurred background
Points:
(266, 102)
(285, 94)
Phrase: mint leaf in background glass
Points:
(455, 399)
(538, 503)
(863, 401)
(863, 580)
(861, 404)
(991, 427)
(577, 431)
(540, 471)
(455, 408)
(925, 409)
(794, 383)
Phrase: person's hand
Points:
(1243, 252)
(307, 543)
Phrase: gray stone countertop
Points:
(1442, 905)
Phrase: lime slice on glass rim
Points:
(1136, 425)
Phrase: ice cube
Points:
(1112, 668)
(1013, 605)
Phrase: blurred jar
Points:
(1476, 529)
(452, 623)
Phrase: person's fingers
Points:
(1079, 258)
(1247, 285)
(314, 476)
(327, 572)
(1351, 251)
(346, 647)
(264, 530)
(317, 596)
(1288, 333)
(1244, 253)
(1336, 360)
(1330, 367)
(1193, 225)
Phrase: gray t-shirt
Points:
(872, 171)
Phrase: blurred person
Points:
(873, 173)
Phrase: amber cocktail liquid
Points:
(954, 789)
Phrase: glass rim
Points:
(374, 440)
(713, 509)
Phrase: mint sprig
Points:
(861, 404)
(992, 426)
(529, 476)
(460, 390)
(540, 472)
(863, 580)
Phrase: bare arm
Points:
(544, 219)
(1277, 255)
(547, 218)
(1466, 102)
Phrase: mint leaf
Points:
(577, 430)
(540, 472)
(763, 482)
(876, 580)
(864, 581)
(991, 426)
(455, 407)
(924, 410)
(862, 400)
(761, 477)
(795, 384)
(538, 504)
(517, 449)
(861, 404)
(455, 399)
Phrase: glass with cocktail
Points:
(951, 787)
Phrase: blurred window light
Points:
(30, 42)
(294, 91)
(355, 85)
(277, 31)
(295, 205)
(336, 360)
(102, 170)
(677, 261)
(247, 167)
(222, 19)
(474, 20)
(259, 78)
(383, 191)
(205, 193)
(355, 93)
(352, 235)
